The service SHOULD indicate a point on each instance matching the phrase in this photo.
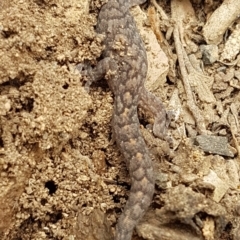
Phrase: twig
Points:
(190, 99)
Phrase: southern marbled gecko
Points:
(124, 66)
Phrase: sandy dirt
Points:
(61, 174)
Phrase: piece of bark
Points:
(220, 20)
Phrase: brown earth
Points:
(61, 175)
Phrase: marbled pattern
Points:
(124, 66)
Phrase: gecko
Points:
(124, 65)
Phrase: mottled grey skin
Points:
(124, 65)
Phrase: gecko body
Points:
(124, 66)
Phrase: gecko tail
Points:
(140, 198)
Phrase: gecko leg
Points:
(100, 71)
(151, 103)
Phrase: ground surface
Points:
(61, 176)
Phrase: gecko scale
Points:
(124, 66)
